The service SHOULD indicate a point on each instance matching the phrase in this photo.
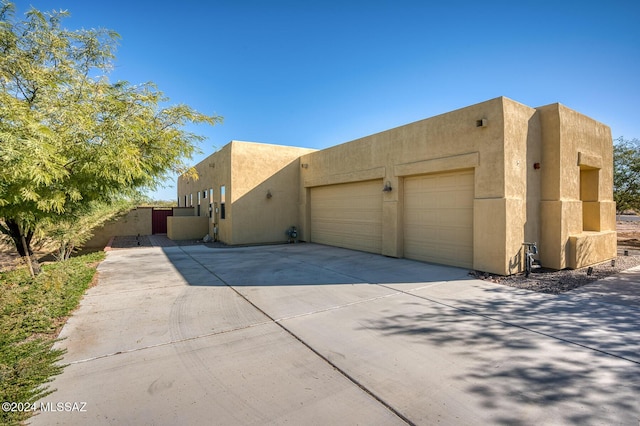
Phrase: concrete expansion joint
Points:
(169, 343)
(132, 290)
(346, 305)
(308, 346)
(336, 307)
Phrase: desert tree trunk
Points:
(22, 243)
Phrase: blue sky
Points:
(319, 73)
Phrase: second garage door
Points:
(438, 218)
(348, 215)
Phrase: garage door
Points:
(438, 218)
(348, 215)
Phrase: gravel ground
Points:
(556, 282)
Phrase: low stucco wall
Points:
(187, 227)
(136, 222)
(183, 211)
(589, 248)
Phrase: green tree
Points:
(626, 174)
(70, 231)
(68, 136)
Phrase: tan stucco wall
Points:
(259, 170)
(183, 211)
(213, 172)
(135, 222)
(520, 203)
(187, 227)
(249, 171)
(578, 221)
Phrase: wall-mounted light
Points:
(304, 165)
(269, 195)
(387, 187)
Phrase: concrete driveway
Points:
(309, 334)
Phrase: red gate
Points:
(159, 220)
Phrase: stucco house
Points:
(465, 188)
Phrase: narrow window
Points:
(222, 202)
(211, 203)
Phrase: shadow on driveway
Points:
(300, 264)
(509, 356)
(548, 357)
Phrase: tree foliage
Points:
(626, 174)
(69, 137)
(70, 231)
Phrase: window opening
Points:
(211, 203)
(222, 202)
(589, 183)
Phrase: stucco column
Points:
(392, 218)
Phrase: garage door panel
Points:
(457, 201)
(456, 218)
(348, 215)
(438, 218)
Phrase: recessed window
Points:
(589, 194)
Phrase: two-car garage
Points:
(437, 217)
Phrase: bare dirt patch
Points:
(9, 259)
(628, 235)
